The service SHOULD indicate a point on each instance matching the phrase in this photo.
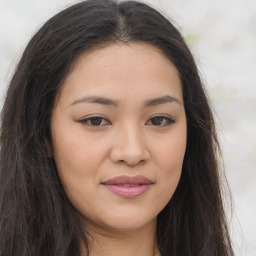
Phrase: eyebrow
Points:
(161, 100)
(98, 100)
(115, 103)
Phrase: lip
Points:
(128, 187)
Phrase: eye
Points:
(160, 121)
(95, 121)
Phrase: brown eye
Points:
(160, 121)
(95, 121)
(157, 120)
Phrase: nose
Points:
(129, 147)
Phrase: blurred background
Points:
(222, 37)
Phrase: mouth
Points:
(128, 187)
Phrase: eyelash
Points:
(88, 121)
(168, 120)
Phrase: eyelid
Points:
(88, 118)
(164, 116)
(85, 120)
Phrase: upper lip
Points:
(128, 180)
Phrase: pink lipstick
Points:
(128, 187)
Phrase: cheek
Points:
(77, 165)
(171, 151)
(78, 162)
(170, 160)
(171, 156)
(76, 151)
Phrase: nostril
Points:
(131, 163)
(129, 155)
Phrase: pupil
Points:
(157, 120)
(96, 121)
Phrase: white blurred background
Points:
(222, 37)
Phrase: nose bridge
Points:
(130, 145)
(133, 136)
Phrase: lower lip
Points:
(128, 192)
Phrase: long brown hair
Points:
(36, 218)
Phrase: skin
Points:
(125, 139)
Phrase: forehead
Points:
(121, 70)
(144, 55)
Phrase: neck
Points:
(139, 242)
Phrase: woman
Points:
(108, 143)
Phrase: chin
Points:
(128, 222)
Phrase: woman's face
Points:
(119, 135)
